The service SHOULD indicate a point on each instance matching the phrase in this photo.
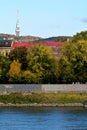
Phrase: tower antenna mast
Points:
(17, 30)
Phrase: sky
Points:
(44, 18)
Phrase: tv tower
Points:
(17, 30)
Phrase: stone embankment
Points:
(47, 88)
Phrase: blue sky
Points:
(44, 18)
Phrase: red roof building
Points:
(29, 44)
(21, 44)
(56, 46)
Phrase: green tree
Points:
(66, 71)
(41, 63)
(4, 67)
(19, 54)
(61, 39)
(80, 36)
(28, 77)
(73, 62)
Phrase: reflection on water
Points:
(43, 118)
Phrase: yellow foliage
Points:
(15, 68)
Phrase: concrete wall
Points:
(43, 87)
(19, 87)
(65, 87)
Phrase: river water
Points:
(43, 118)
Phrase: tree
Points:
(14, 73)
(4, 67)
(52, 73)
(28, 77)
(73, 62)
(41, 63)
(80, 36)
(19, 54)
(66, 71)
(62, 39)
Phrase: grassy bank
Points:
(41, 98)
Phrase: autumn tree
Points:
(14, 73)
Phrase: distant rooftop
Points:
(21, 44)
(53, 43)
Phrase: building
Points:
(21, 44)
(55, 46)
(5, 46)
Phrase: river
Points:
(43, 118)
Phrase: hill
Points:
(20, 38)
(57, 38)
(32, 38)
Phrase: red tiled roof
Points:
(21, 44)
(29, 44)
(53, 43)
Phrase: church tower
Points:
(17, 30)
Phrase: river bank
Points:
(43, 99)
(41, 105)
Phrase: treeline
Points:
(37, 65)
